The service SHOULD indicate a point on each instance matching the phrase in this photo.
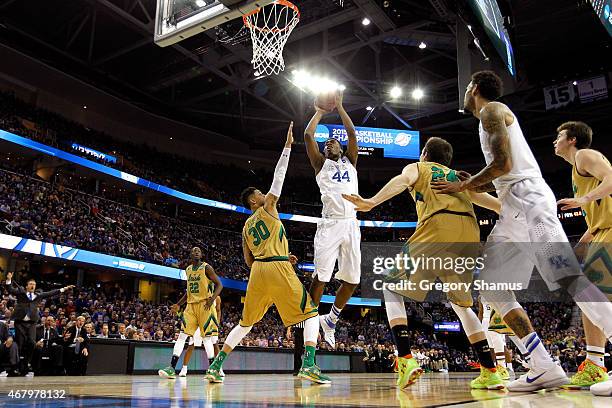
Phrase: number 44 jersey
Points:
(337, 178)
(265, 236)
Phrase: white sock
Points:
(535, 347)
(311, 330)
(596, 355)
(509, 366)
(180, 344)
(334, 314)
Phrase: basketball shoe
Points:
(167, 372)
(329, 330)
(183, 372)
(213, 376)
(602, 389)
(588, 374)
(314, 374)
(408, 371)
(538, 378)
(503, 372)
(487, 380)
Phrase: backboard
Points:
(176, 20)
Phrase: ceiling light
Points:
(422, 45)
(575, 83)
(418, 94)
(366, 21)
(200, 3)
(369, 108)
(396, 92)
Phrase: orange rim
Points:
(296, 13)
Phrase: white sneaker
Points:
(329, 330)
(602, 389)
(183, 372)
(4, 374)
(221, 373)
(538, 378)
(30, 374)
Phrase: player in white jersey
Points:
(338, 236)
(528, 232)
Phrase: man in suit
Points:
(26, 316)
(49, 349)
(76, 348)
(9, 353)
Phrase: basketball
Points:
(326, 101)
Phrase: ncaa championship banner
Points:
(397, 144)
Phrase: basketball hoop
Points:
(270, 28)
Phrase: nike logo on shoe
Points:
(530, 380)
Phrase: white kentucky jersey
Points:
(524, 164)
(337, 178)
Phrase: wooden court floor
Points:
(263, 390)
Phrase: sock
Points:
(522, 349)
(483, 351)
(402, 340)
(309, 355)
(509, 366)
(535, 347)
(500, 359)
(218, 361)
(174, 361)
(334, 314)
(596, 355)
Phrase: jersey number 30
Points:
(259, 232)
(339, 178)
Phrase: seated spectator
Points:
(76, 348)
(48, 352)
(104, 334)
(9, 353)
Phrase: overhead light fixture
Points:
(200, 3)
(314, 83)
(418, 94)
(369, 108)
(84, 106)
(396, 92)
(575, 83)
(422, 45)
(366, 21)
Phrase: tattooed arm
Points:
(493, 119)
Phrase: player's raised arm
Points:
(591, 162)
(493, 119)
(312, 148)
(395, 186)
(279, 175)
(212, 275)
(352, 149)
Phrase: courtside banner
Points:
(68, 253)
(397, 144)
(60, 154)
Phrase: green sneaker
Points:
(588, 374)
(503, 372)
(487, 380)
(214, 376)
(408, 371)
(167, 372)
(314, 374)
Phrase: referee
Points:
(26, 316)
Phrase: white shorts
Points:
(196, 339)
(527, 234)
(338, 239)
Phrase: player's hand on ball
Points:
(320, 110)
(361, 204)
(293, 259)
(338, 99)
(569, 203)
(448, 187)
(289, 141)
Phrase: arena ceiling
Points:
(210, 83)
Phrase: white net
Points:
(270, 28)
